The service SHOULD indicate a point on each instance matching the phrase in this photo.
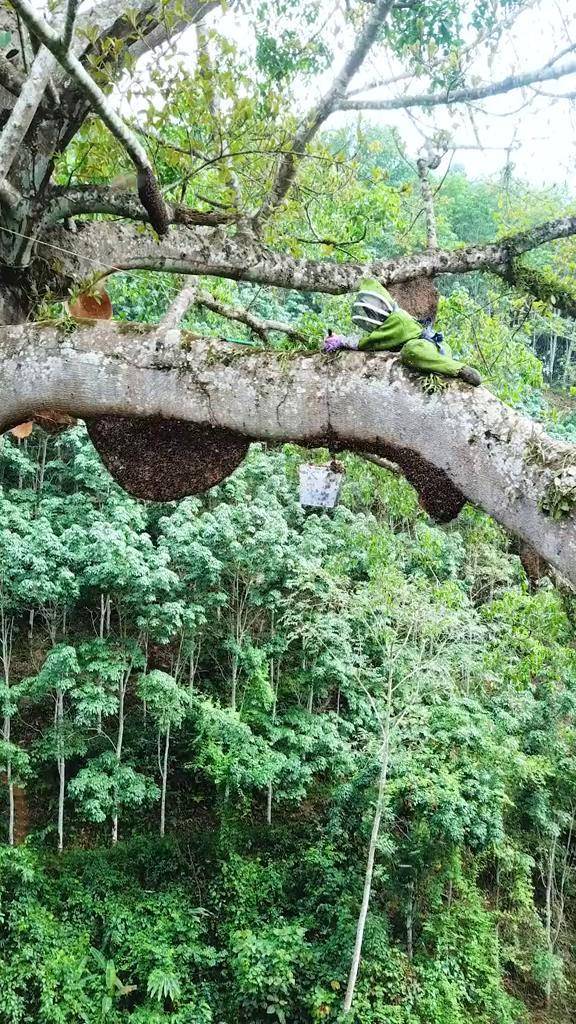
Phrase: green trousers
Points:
(423, 355)
(402, 333)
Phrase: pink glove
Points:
(334, 342)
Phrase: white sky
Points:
(544, 130)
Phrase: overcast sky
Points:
(543, 130)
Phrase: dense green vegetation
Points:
(240, 651)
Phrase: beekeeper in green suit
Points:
(390, 329)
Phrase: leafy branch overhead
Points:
(254, 138)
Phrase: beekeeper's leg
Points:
(424, 356)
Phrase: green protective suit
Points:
(400, 332)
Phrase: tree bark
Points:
(466, 94)
(369, 873)
(6, 641)
(164, 774)
(551, 865)
(119, 741)
(202, 251)
(463, 439)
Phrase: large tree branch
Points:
(212, 253)
(150, 24)
(465, 94)
(428, 67)
(74, 200)
(327, 104)
(542, 286)
(163, 29)
(24, 109)
(501, 460)
(148, 188)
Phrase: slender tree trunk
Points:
(568, 362)
(233, 682)
(410, 922)
(164, 781)
(191, 672)
(119, 742)
(41, 466)
(7, 632)
(10, 799)
(428, 201)
(61, 793)
(61, 764)
(552, 356)
(369, 873)
(24, 445)
(274, 679)
(548, 914)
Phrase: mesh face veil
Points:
(372, 305)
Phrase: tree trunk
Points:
(428, 202)
(369, 873)
(61, 794)
(61, 765)
(233, 681)
(41, 466)
(548, 914)
(119, 741)
(410, 922)
(6, 638)
(552, 356)
(568, 361)
(164, 781)
(10, 798)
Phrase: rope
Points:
(60, 248)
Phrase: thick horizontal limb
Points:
(500, 460)
(212, 253)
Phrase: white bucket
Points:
(319, 486)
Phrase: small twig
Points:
(383, 463)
